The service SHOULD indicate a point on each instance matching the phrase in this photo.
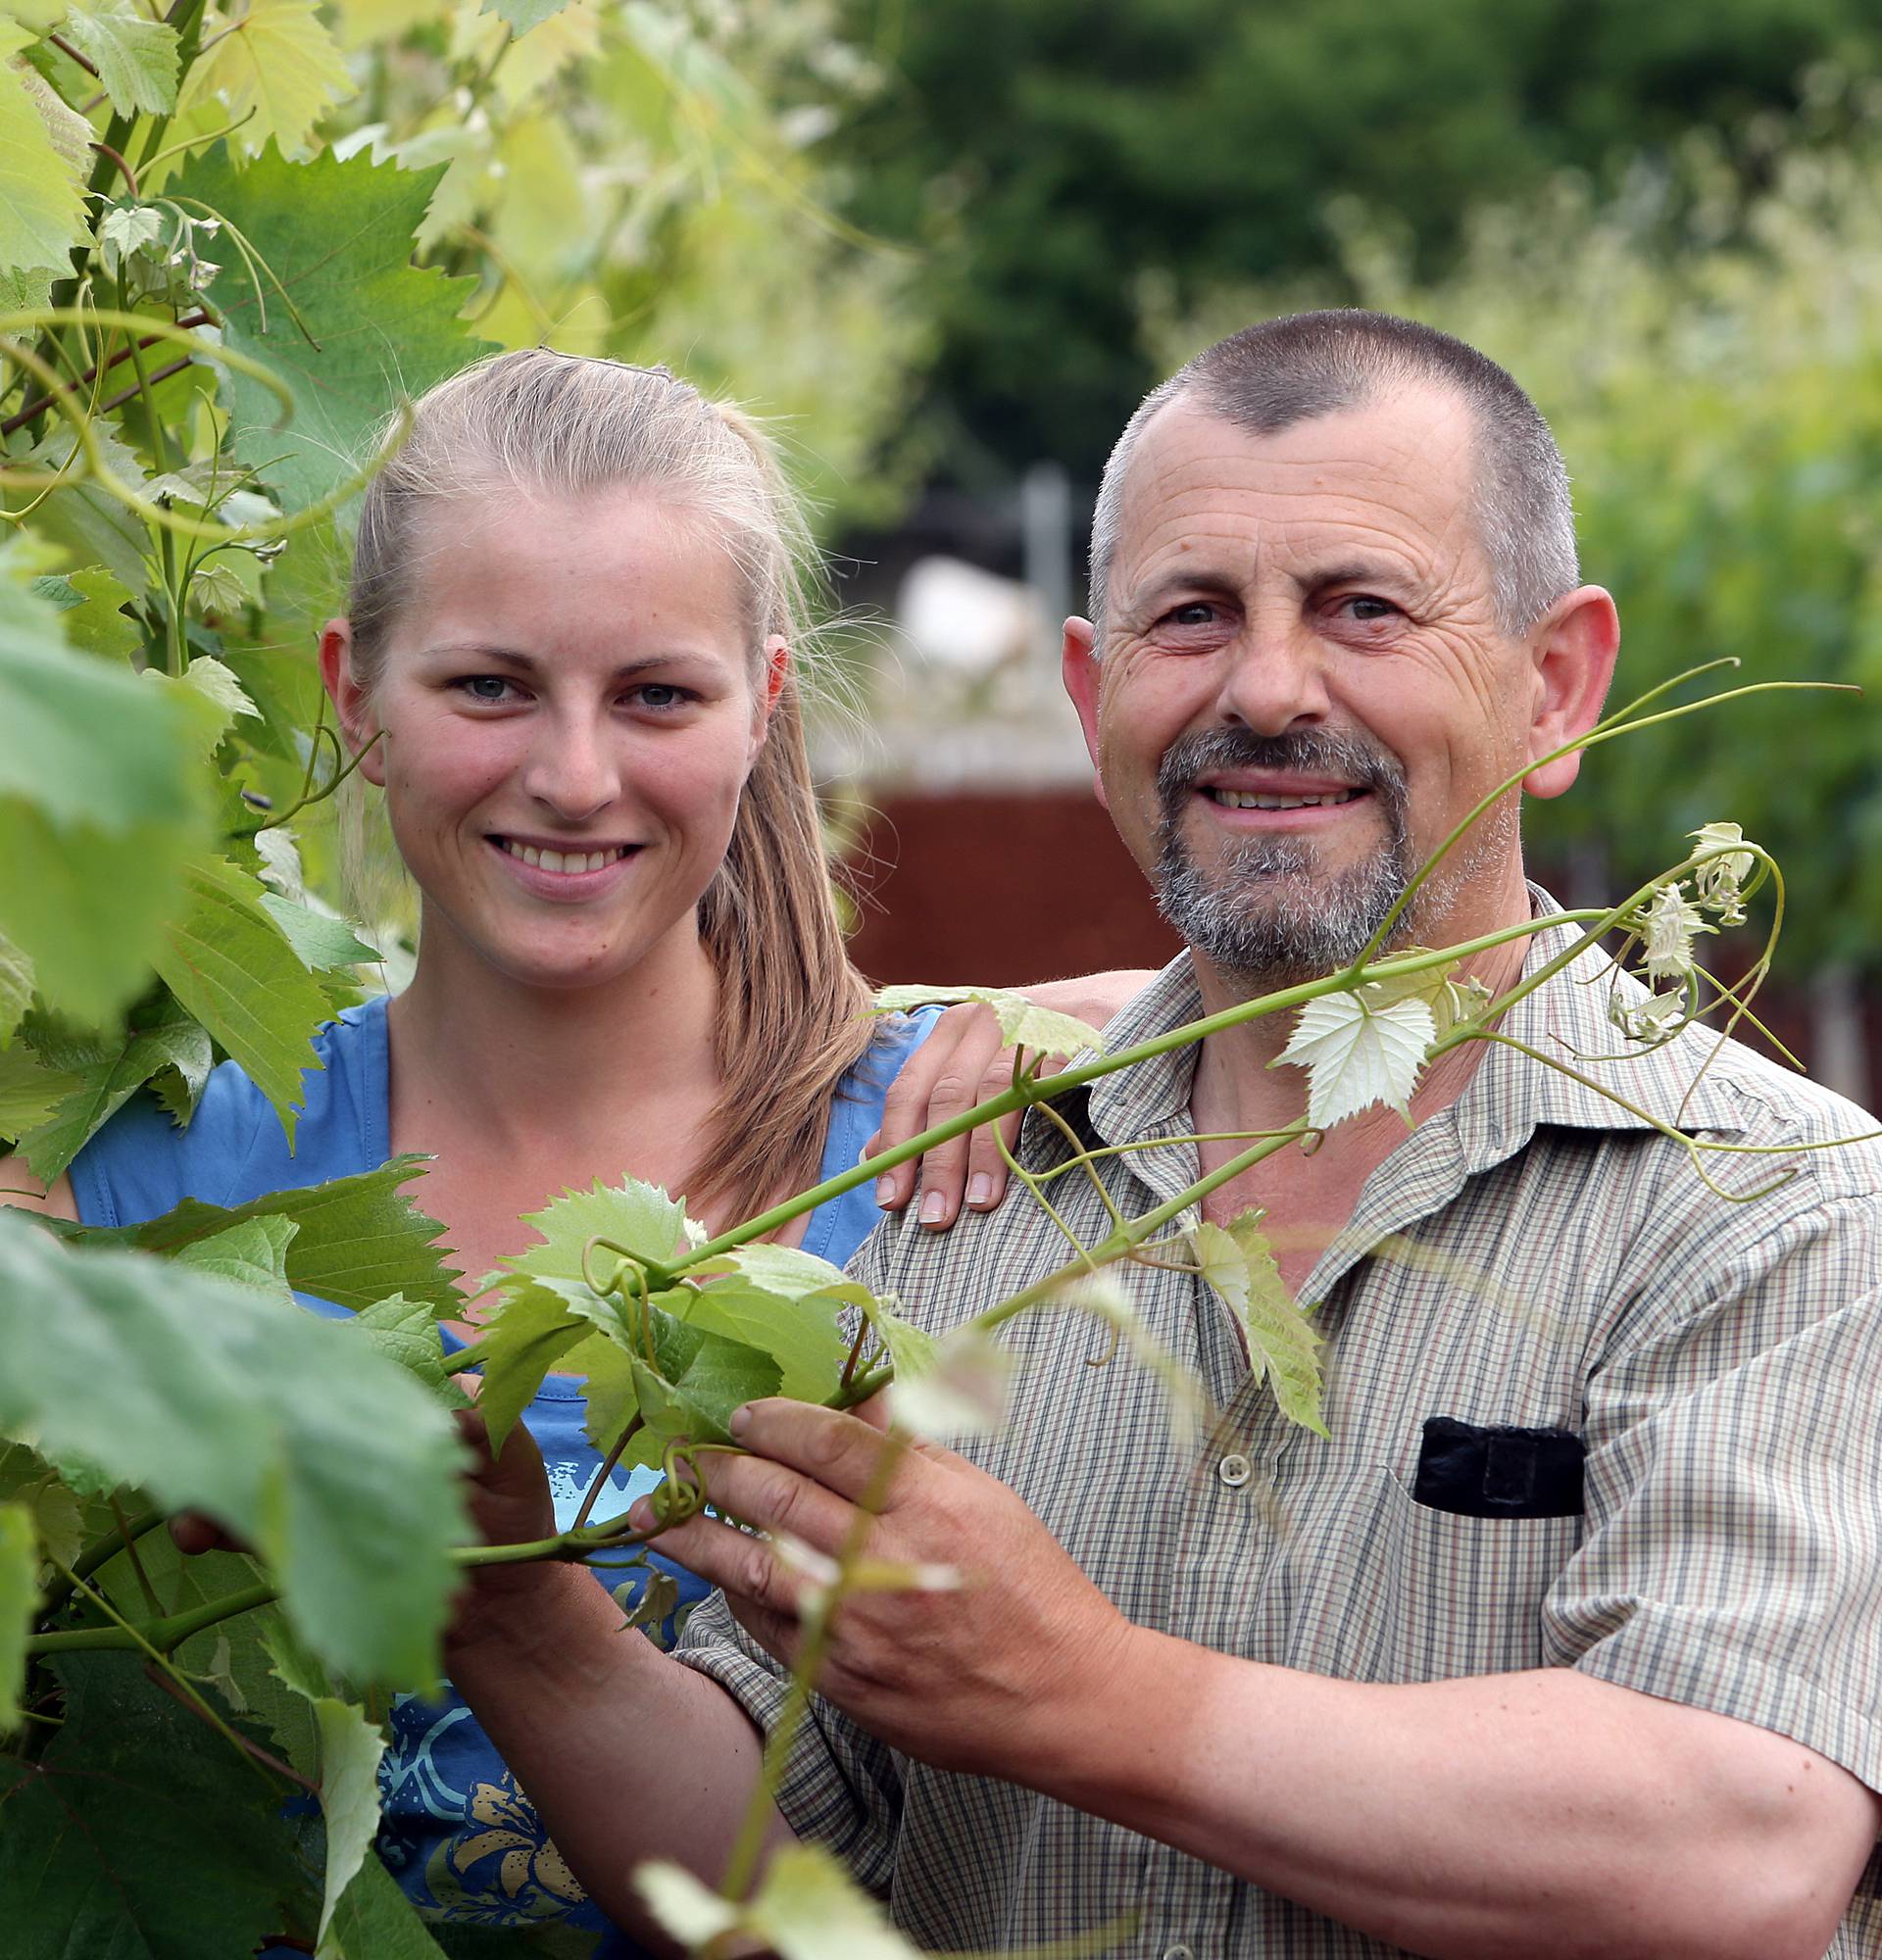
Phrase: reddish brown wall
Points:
(1000, 889)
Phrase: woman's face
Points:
(569, 714)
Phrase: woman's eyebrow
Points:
(527, 664)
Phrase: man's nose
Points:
(1274, 678)
(572, 769)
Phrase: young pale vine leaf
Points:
(41, 213)
(18, 1596)
(406, 1331)
(640, 1217)
(698, 1380)
(350, 1750)
(336, 1465)
(131, 1838)
(338, 236)
(957, 1389)
(277, 67)
(522, 15)
(232, 967)
(1022, 1022)
(357, 1239)
(1360, 1050)
(321, 943)
(681, 1906)
(135, 56)
(1281, 1342)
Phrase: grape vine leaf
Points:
(376, 1921)
(406, 1331)
(18, 1596)
(700, 1379)
(531, 1328)
(130, 1838)
(232, 967)
(807, 1907)
(96, 623)
(29, 1092)
(1023, 1023)
(801, 1334)
(321, 943)
(957, 1388)
(61, 1521)
(640, 1217)
(136, 57)
(691, 1912)
(338, 236)
(41, 213)
(522, 15)
(1358, 1050)
(1281, 1341)
(100, 809)
(253, 1253)
(350, 1750)
(277, 66)
(335, 1464)
(358, 1240)
(165, 1045)
(16, 988)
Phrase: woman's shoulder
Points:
(141, 1163)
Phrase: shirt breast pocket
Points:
(1463, 1594)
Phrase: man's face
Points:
(1302, 687)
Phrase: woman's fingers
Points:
(947, 1075)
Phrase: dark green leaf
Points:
(138, 1834)
(376, 1921)
(358, 1242)
(333, 1463)
(529, 1330)
(702, 1379)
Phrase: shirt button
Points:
(1235, 1470)
(1178, 1952)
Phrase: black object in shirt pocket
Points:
(1497, 1470)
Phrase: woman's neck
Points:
(475, 1052)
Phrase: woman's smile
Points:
(573, 872)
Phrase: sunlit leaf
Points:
(639, 1216)
(321, 943)
(350, 1750)
(19, 1594)
(376, 1921)
(97, 623)
(338, 236)
(275, 65)
(1359, 1051)
(522, 15)
(41, 213)
(1282, 1345)
(682, 1906)
(1022, 1022)
(229, 964)
(135, 56)
(808, 1907)
(253, 1253)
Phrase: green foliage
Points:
(331, 1461)
(128, 1836)
(1281, 1343)
(18, 1596)
(41, 215)
(135, 56)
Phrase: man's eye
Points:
(1197, 613)
(1363, 607)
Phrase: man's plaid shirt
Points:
(1532, 1256)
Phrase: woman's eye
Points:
(661, 695)
(490, 689)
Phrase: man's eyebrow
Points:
(1186, 578)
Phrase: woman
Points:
(567, 658)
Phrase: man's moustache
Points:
(1305, 753)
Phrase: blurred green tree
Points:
(1050, 153)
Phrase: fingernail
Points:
(980, 1188)
(885, 1190)
(741, 1419)
(933, 1208)
(640, 1514)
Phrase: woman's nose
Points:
(572, 769)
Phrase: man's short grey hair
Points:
(1277, 372)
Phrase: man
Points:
(1590, 1666)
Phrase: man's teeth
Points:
(565, 861)
(1247, 799)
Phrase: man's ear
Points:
(1084, 682)
(1573, 653)
(352, 705)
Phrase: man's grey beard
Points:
(1264, 913)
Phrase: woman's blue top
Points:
(455, 1832)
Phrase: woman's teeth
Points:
(1244, 799)
(565, 861)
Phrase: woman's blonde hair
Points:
(792, 1011)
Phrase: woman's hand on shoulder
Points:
(19, 1188)
(965, 1061)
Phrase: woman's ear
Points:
(774, 672)
(351, 705)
